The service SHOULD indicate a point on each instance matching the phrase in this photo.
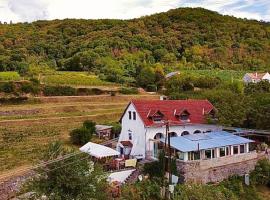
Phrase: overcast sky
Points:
(31, 10)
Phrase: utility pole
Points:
(167, 137)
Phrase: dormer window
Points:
(156, 116)
(183, 115)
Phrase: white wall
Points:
(136, 127)
(266, 76)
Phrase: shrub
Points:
(80, 136)
(30, 87)
(261, 174)
(131, 90)
(8, 87)
(97, 91)
(90, 125)
(13, 100)
(151, 88)
(59, 91)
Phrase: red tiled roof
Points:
(196, 108)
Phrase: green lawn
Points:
(9, 76)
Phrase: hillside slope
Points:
(118, 50)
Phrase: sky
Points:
(32, 10)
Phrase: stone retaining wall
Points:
(9, 188)
(218, 169)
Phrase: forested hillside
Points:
(130, 51)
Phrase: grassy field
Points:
(225, 75)
(26, 129)
(9, 76)
(74, 79)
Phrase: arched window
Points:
(173, 134)
(158, 136)
(185, 133)
(197, 131)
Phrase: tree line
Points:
(123, 51)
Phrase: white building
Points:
(143, 123)
(256, 77)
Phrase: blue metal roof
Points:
(206, 141)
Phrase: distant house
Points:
(104, 131)
(256, 77)
(171, 74)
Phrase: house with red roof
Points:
(143, 123)
(256, 77)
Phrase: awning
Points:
(98, 151)
(120, 177)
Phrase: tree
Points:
(81, 136)
(146, 77)
(72, 178)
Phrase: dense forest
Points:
(127, 51)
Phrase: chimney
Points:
(203, 111)
(256, 74)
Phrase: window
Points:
(242, 148)
(197, 131)
(173, 134)
(213, 153)
(129, 114)
(184, 133)
(207, 153)
(157, 118)
(184, 116)
(194, 155)
(181, 155)
(221, 151)
(129, 135)
(235, 150)
(134, 115)
(228, 151)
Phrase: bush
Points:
(30, 87)
(151, 88)
(97, 91)
(59, 91)
(8, 87)
(84, 134)
(90, 125)
(261, 174)
(13, 100)
(80, 136)
(131, 90)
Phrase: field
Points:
(9, 76)
(26, 129)
(74, 79)
(225, 75)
